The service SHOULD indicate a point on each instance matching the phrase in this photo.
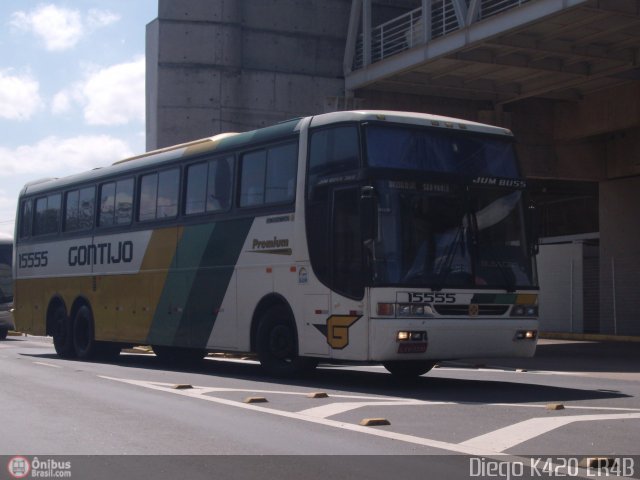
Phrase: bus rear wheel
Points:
(62, 333)
(277, 345)
(409, 368)
(3, 333)
(84, 342)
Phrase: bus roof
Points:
(410, 118)
(230, 141)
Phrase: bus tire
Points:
(3, 333)
(62, 333)
(84, 342)
(277, 345)
(409, 368)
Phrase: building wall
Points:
(234, 65)
(620, 256)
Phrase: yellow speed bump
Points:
(555, 406)
(255, 400)
(182, 386)
(597, 462)
(318, 395)
(374, 422)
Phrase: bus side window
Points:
(86, 208)
(268, 176)
(47, 214)
(334, 150)
(209, 186)
(252, 178)
(159, 195)
(196, 188)
(26, 217)
(281, 173)
(219, 184)
(116, 203)
(78, 212)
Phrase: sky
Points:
(72, 92)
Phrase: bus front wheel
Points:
(3, 333)
(409, 368)
(62, 333)
(277, 345)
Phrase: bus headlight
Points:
(419, 336)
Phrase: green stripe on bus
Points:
(197, 283)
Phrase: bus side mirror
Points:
(533, 227)
(369, 214)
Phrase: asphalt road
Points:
(128, 419)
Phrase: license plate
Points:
(420, 347)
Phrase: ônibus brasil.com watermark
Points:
(22, 467)
(552, 467)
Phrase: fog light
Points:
(526, 335)
(403, 336)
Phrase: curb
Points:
(588, 337)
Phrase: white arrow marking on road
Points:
(335, 408)
(508, 437)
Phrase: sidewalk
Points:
(576, 356)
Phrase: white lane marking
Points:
(508, 437)
(47, 364)
(425, 442)
(336, 408)
(566, 407)
(205, 390)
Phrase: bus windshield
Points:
(432, 150)
(456, 237)
(452, 233)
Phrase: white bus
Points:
(366, 236)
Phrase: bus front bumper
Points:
(450, 339)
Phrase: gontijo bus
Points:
(398, 238)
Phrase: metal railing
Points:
(408, 30)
